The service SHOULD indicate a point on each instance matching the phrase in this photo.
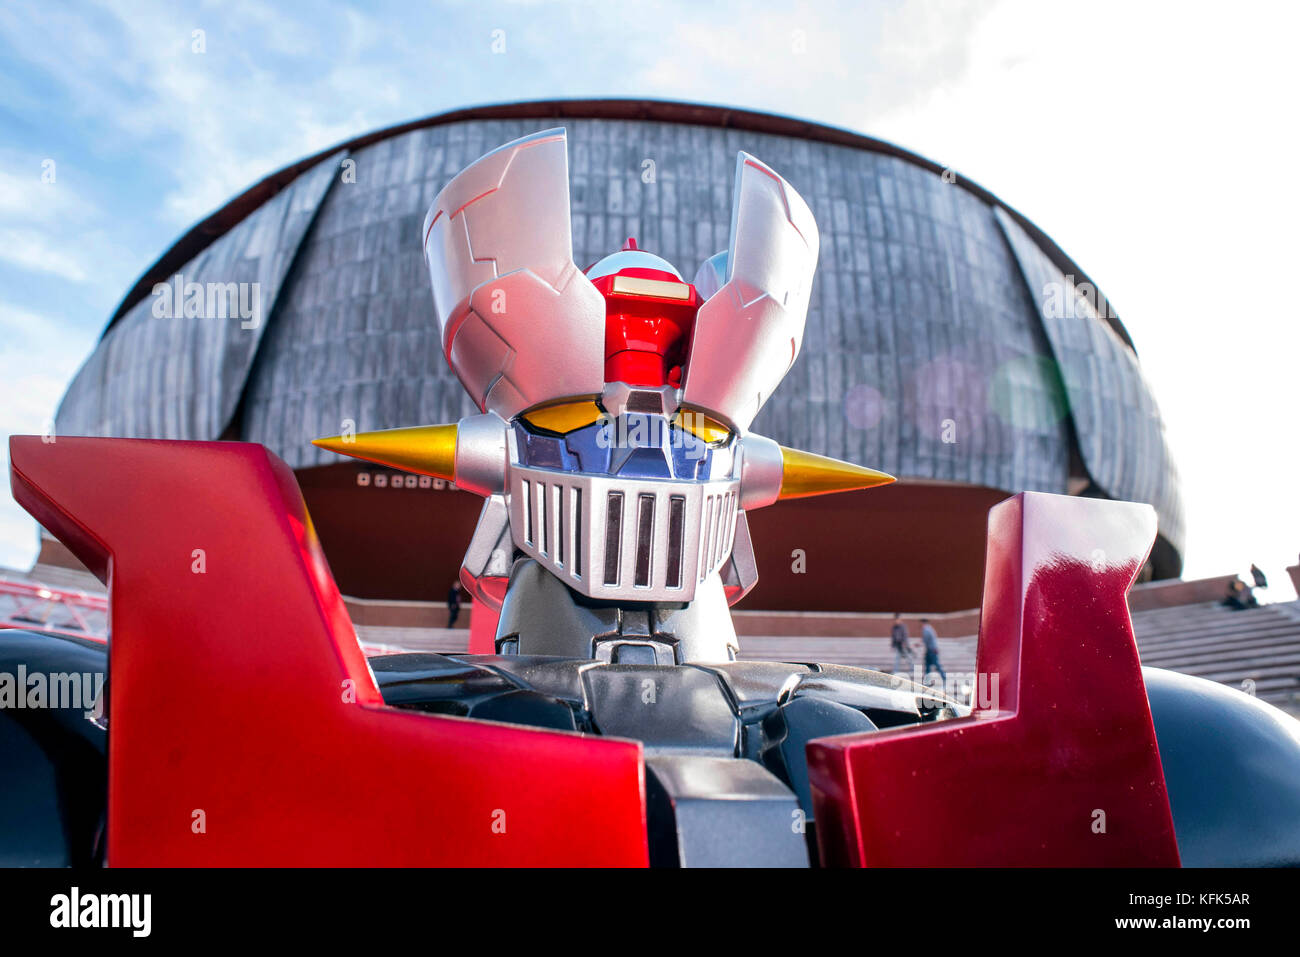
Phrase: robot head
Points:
(523, 326)
(616, 402)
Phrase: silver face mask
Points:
(630, 508)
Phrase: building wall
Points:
(172, 377)
(1121, 434)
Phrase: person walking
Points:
(931, 642)
(453, 604)
(898, 641)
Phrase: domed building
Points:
(948, 342)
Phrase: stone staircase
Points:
(1257, 650)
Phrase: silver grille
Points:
(633, 540)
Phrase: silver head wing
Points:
(520, 322)
(748, 333)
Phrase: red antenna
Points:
(630, 244)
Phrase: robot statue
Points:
(614, 722)
(613, 447)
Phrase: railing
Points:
(61, 611)
(79, 614)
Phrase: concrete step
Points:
(1226, 641)
(382, 639)
(1249, 655)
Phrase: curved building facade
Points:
(948, 342)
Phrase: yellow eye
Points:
(702, 426)
(564, 417)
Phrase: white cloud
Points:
(214, 122)
(25, 198)
(38, 215)
(32, 250)
(830, 62)
(37, 358)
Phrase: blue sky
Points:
(1152, 141)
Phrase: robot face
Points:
(628, 496)
(624, 505)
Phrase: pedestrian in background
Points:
(931, 642)
(453, 604)
(898, 641)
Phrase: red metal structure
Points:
(220, 594)
(1060, 766)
